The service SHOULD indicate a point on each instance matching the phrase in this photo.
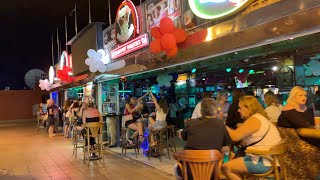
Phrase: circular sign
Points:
(213, 9)
(127, 23)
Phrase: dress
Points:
(160, 120)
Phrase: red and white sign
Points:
(130, 46)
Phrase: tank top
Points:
(160, 115)
(271, 138)
(126, 112)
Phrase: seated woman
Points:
(302, 157)
(256, 133)
(131, 118)
(273, 108)
(233, 114)
(161, 113)
(91, 115)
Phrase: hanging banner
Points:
(158, 9)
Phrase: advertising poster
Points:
(127, 23)
(158, 9)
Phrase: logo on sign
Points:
(127, 22)
(213, 9)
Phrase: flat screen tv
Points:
(239, 84)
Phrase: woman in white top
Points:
(257, 133)
(161, 113)
(273, 108)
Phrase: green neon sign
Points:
(214, 9)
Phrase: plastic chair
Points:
(274, 155)
(203, 164)
(93, 130)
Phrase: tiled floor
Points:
(26, 155)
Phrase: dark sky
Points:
(27, 27)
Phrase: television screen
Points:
(239, 84)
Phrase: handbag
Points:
(128, 117)
(241, 149)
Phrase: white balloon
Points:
(89, 61)
(105, 59)
(98, 56)
(102, 69)
(41, 81)
(46, 81)
(48, 89)
(91, 53)
(102, 52)
(93, 69)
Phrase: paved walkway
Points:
(26, 155)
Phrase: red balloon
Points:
(168, 41)
(166, 25)
(172, 52)
(155, 46)
(155, 33)
(180, 35)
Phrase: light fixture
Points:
(251, 71)
(51, 74)
(241, 71)
(193, 70)
(228, 69)
(274, 68)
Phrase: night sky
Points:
(27, 27)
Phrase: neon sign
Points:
(214, 9)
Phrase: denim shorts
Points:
(159, 124)
(258, 168)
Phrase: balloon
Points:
(102, 69)
(155, 46)
(88, 61)
(93, 69)
(155, 32)
(168, 41)
(180, 35)
(91, 53)
(172, 52)
(166, 25)
(98, 56)
(102, 52)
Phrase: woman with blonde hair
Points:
(256, 133)
(295, 113)
(273, 108)
(302, 157)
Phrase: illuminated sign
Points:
(65, 59)
(213, 9)
(127, 22)
(51, 74)
(130, 46)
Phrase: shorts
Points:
(159, 124)
(127, 123)
(258, 168)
